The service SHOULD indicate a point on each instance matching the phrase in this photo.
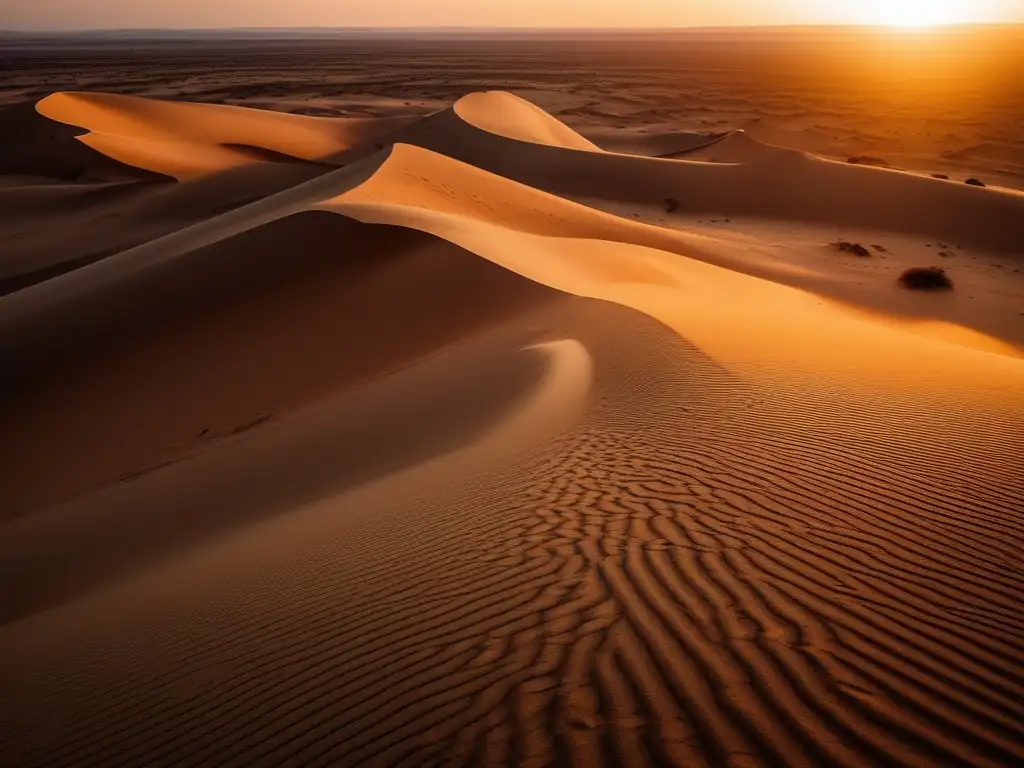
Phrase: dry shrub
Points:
(926, 279)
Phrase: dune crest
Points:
(737, 147)
(186, 140)
(512, 117)
(594, 254)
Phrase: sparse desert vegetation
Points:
(877, 162)
(847, 247)
(926, 279)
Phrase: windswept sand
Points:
(471, 440)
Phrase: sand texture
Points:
(473, 438)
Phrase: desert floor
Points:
(510, 402)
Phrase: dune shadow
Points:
(266, 470)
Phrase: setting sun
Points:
(916, 13)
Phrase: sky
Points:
(193, 14)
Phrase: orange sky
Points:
(78, 14)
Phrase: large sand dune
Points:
(463, 440)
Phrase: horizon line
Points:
(509, 28)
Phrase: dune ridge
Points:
(453, 444)
(508, 115)
(185, 140)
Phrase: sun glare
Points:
(915, 13)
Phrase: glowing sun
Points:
(915, 13)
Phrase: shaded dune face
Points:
(408, 456)
(240, 331)
(36, 146)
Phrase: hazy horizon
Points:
(510, 28)
(117, 15)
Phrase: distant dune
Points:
(469, 439)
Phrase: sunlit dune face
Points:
(915, 13)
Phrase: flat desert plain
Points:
(513, 401)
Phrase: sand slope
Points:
(419, 459)
(109, 218)
(738, 183)
(507, 115)
(188, 140)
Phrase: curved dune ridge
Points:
(507, 115)
(583, 251)
(185, 140)
(465, 441)
(671, 144)
(737, 147)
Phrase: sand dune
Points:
(188, 140)
(508, 115)
(225, 298)
(733, 183)
(379, 443)
(37, 217)
(39, 148)
(644, 267)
